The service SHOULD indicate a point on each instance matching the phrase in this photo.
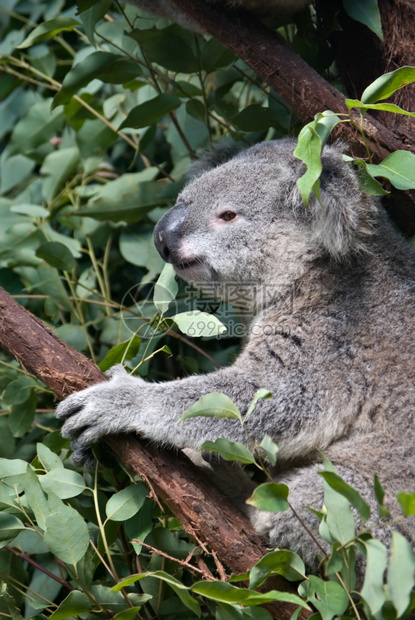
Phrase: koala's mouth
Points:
(183, 266)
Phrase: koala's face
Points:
(235, 223)
(244, 221)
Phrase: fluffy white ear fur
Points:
(345, 216)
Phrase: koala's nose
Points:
(167, 232)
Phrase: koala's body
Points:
(334, 343)
(264, 9)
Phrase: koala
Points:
(332, 338)
(261, 8)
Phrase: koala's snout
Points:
(169, 231)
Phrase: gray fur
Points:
(262, 8)
(334, 344)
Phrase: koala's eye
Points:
(227, 216)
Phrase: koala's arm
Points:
(297, 416)
(126, 403)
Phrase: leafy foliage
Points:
(102, 109)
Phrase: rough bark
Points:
(203, 510)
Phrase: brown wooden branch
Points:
(203, 510)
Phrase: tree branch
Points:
(203, 510)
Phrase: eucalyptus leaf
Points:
(386, 85)
(10, 526)
(57, 255)
(328, 597)
(63, 482)
(279, 562)
(199, 324)
(229, 450)
(366, 12)
(166, 288)
(213, 405)
(340, 486)
(48, 30)
(401, 572)
(74, 604)
(151, 111)
(121, 352)
(373, 591)
(126, 503)
(398, 167)
(111, 68)
(270, 496)
(66, 533)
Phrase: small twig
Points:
(184, 563)
(26, 558)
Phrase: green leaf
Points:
(151, 111)
(229, 450)
(215, 55)
(401, 572)
(48, 30)
(126, 503)
(340, 486)
(108, 67)
(74, 604)
(339, 519)
(179, 588)
(311, 140)
(19, 390)
(168, 48)
(36, 498)
(270, 496)
(262, 393)
(328, 597)
(66, 533)
(386, 85)
(367, 182)
(366, 12)
(49, 459)
(35, 128)
(213, 405)
(10, 526)
(121, 352)
(22, 415)
(398, 167)
(12, 469)
(407, 503)
(166, 289)
(226, 593)
(89, 18)
(279, 562)
(199, 324)
(63, 482)
(255, 118)
(127, 199)
(270, 448)
(380, 494)
(57, 255)
(384, 107)
(57, 167)
(373, 591)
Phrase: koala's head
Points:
(243, 221)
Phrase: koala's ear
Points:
(218, 155)
(345, 217)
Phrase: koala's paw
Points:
(104, 409)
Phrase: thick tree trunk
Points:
(203, 510)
